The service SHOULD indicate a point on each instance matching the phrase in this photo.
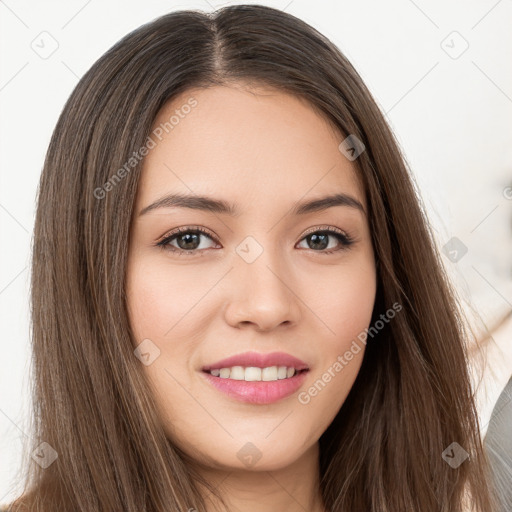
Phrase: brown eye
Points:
(187, 240)
(319, 241)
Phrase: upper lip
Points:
(259, 360)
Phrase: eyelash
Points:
(345, 240)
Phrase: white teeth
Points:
(269, 373)
(252, 373)
(224, 373)
(237, 373)
(281, 372)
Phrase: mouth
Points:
(256, 374)
(250, 364)
(257, 392)
(257, 378)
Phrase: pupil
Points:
(191, 238)
(324, 243)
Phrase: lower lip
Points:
(258, 392)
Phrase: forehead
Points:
(245, 142)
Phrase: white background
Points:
(452, 116)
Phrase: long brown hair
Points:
(412, 398)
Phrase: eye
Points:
(188, 240)
(318, 240)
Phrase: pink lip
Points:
(259, 392)
(259, 361)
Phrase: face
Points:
(254, 271)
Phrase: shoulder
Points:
(498, 445)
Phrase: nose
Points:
(261, 295)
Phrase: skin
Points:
(265, 151)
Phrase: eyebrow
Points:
(209, 204)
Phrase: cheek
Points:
(160, 306)
(343, 300)
(160, 299)
(345, 305)
(351, 306)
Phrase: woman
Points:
(237, 301)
